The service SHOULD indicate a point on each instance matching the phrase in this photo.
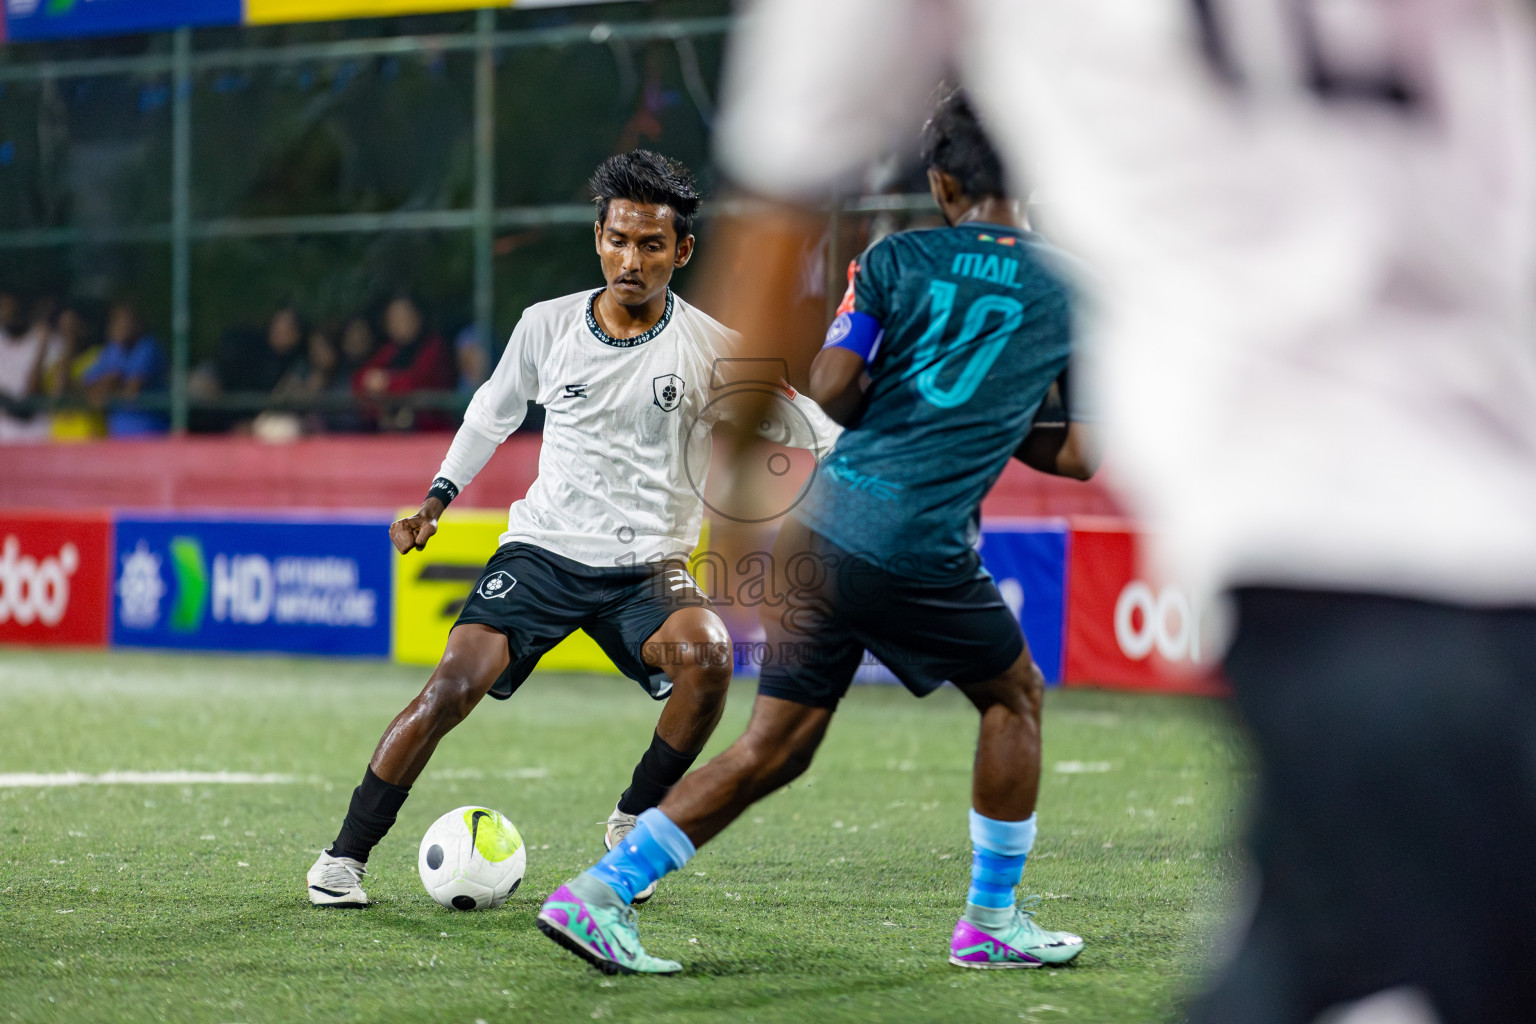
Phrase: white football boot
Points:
(619, 826)
(337, 882)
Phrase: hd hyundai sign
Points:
(298, 586)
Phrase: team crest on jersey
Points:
(497, 584)
(668, 391)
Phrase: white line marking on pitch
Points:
(1082, 767)
(17, 780)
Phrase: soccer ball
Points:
(471, 858)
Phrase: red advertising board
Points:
(1123, 628)
(55, 577)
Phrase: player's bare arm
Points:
(1070, 450)
(837, 383)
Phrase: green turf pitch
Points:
(830, 901)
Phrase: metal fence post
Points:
(181, 222)
(485, 178)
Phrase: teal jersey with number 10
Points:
(976, 324)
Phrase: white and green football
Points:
(471, 858)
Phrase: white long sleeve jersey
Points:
(1313, 233)
(627, 429)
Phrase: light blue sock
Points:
(999, 849)
(655, 848)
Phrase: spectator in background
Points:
(129, 365)
(23, 347)
(63, 379)
(250, 362)
(473, 358)
(321, 382)
(280, 360)
(357, 346)
(411, 360)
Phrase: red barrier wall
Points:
(240, 473)
(354, 473)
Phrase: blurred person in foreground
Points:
(130, 365)
(1313, 228)
(939, 360)
(601, 541)
(412, 359)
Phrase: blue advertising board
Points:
(28, 20)
(1028, 559)
(291, 585)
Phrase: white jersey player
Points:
(631, 378)
(626, 430)
(1312, 223)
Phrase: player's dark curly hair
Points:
(642, 176)
(955, 142)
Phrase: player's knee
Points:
(1026, 693)
(1021, 689)
(1034, 685)
(707, 675)
(796, 762)
(450, 697)
(772, 762)
(714, 679)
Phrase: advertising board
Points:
(264, 12)
(30, 20)
(432, 585)
(1125, 628)
(1028, 559)
(55, 572)
(292, 585)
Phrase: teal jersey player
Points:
(963, 330)
(937, 364)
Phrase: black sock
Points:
(658, 771)
(374, 806)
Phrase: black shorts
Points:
(841, 605)
(1395, 807)
(538, 598)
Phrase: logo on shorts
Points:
(497, 584)
(668, 389)
(576, 391)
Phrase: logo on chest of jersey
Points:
(576, 391)
(668, 391)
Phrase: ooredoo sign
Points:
(54, 572)
(1123, 628)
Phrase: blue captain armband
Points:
(857, 332)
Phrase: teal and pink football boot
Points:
(586, 918)
(1022, 943)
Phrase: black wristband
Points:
(444, 490)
